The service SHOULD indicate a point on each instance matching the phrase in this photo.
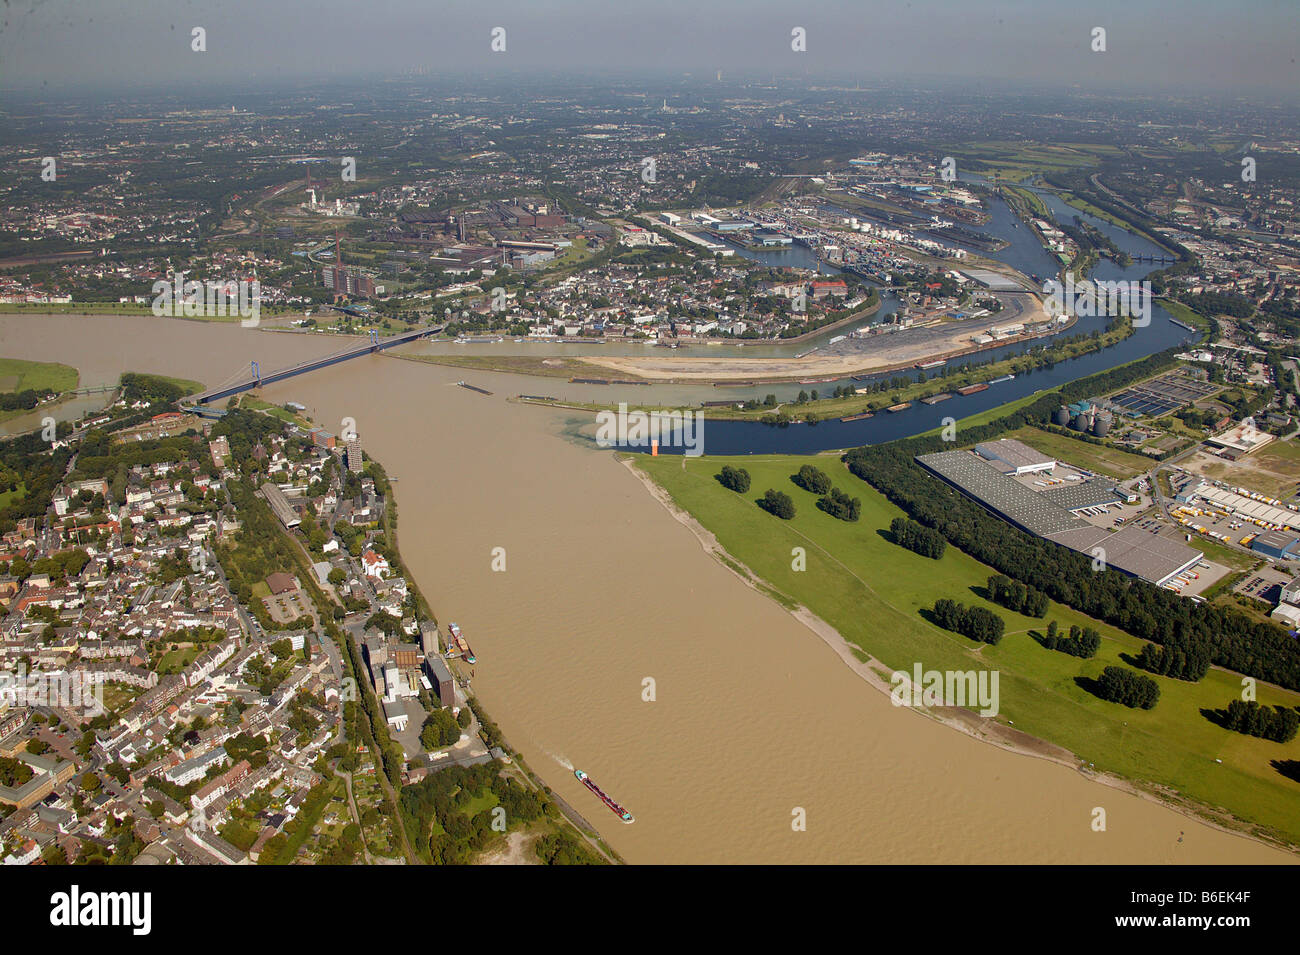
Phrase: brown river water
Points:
(754, 714)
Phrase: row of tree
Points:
(1082, 643)
(24, 400)
(1250, 717)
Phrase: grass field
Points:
(1220, 554)
(189, 385)
(1018, 161)
(872, 591)
(1032, 201)
(19, 375)
(250, 403)
(1273, 470)
(119, 696)
(174, 661)
(1184, 314)
(8, 497)
(1094, 457)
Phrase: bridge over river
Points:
(256, 379)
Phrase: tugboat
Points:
(618, 810)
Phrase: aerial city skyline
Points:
(690, 435)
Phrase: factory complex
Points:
(1067, 505)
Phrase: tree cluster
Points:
(1250, 717)
(838, 504)
(1082, 643)
(813, 479)
(923, 540)
(440, 729)
(1016, 596)
(1119, 685)
(777, 503)
(1180, 658)
(973, 622)
(734, 479)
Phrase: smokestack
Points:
(338, 253)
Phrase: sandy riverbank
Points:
(880, 353)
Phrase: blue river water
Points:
(1024, 253)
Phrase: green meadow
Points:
(19, 375)
(872, 592)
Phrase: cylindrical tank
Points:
(1101, 426)
(1062, 416)
(1080, 423)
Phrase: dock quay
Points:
(605, 381)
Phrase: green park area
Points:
(873, 592)
(42, 376)
(1016, 161)
(24, 383)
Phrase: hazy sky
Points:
(1227, 46)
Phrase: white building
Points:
(1014, 456)
(1291, 592)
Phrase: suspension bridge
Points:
(256, 379)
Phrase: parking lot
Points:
(1264, 585)
(287, 607)
(1198, 578)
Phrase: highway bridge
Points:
(256, 379)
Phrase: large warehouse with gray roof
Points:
(1008, 454)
